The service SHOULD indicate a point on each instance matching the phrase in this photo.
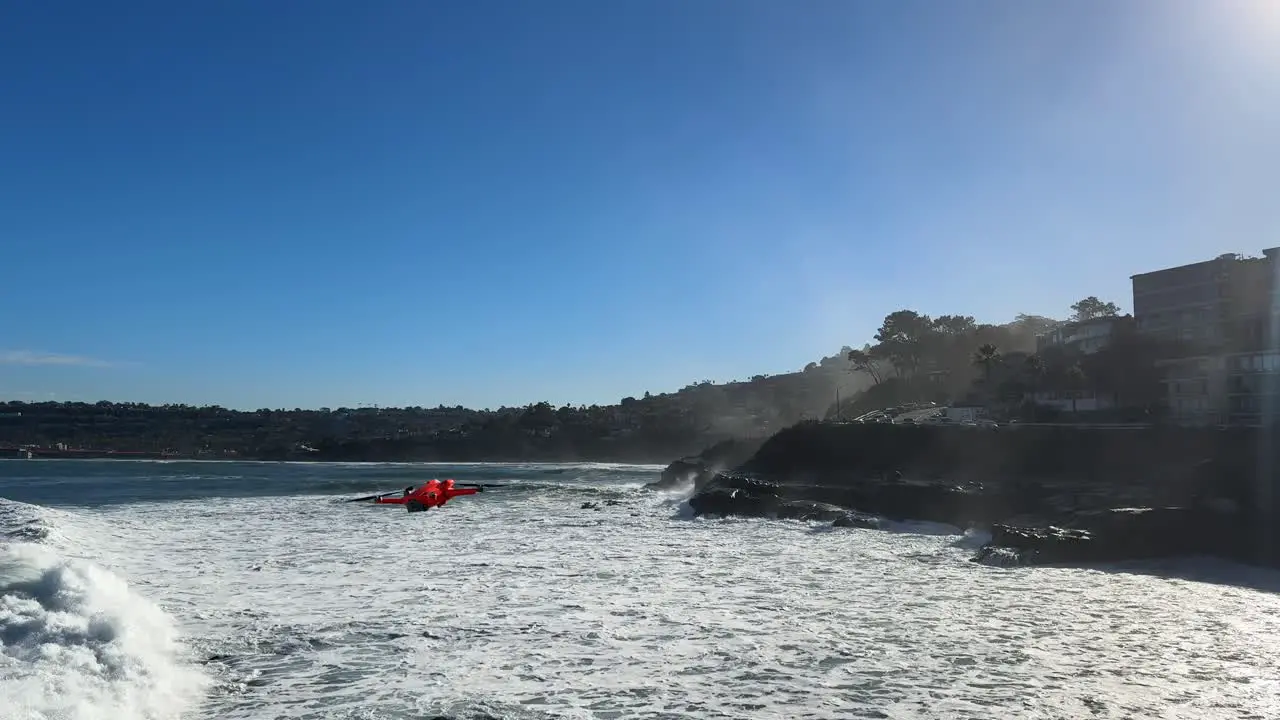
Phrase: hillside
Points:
(915, 357)
(651, 427)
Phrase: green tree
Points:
(1091, 307)
(863, 362)
(903, 339)
(1034, 324)
(955, 324)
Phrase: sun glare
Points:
(1246, 30)
(1259, 17)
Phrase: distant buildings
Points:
(1084, 337)
(1084, 400)
(1221, 315)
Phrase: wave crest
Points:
(77, 643)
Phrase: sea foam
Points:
(77, 643)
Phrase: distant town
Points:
(1200, 348)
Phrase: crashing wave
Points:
(76, 642)
(1000, 557)
(20, 522)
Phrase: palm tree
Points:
(987, 356)
(1033, 369)
(1075, 382)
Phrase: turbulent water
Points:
(133, 591)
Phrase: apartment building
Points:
(1083, 336)
(1220, 314)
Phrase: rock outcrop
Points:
(1048, 494)
(889, 498)
(1120, 534)
(697, 470)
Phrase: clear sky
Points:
(492, 202)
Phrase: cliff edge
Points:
(1046, 493)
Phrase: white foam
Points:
(528, 605)
(76, 643)
(973, 538)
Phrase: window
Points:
(1190, 387)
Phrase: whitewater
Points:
(167, 590)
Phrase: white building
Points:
(964, 413)
(1067, 401)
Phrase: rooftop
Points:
(1268, 252)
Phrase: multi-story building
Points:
(1082, 336)
(1218, 316)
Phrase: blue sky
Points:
(483, 203)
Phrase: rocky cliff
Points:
(696, 471)
(1046, 493)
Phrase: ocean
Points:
(165, 590)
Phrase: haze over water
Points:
(253, 593)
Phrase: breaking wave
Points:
(76, 641)
(557, 603)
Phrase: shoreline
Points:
(1046, 495)
(656, 464)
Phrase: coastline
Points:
(384, 450)
(654, 461)
(1045, 495)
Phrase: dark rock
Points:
(932, 501)
(999, 556)
(1187, 490)
(1044, 545)
(1090, 467)
(746, 483)
(678, 474)
(732, 494)
(1121, 534)
(733, 501)
(699, 469)
(737, 494)
(805, 510)
(852, 518)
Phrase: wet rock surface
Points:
(891, 498)
(855, 519)
(1111, 535)
(1094, 505)
(805, 510)
(698, 470)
